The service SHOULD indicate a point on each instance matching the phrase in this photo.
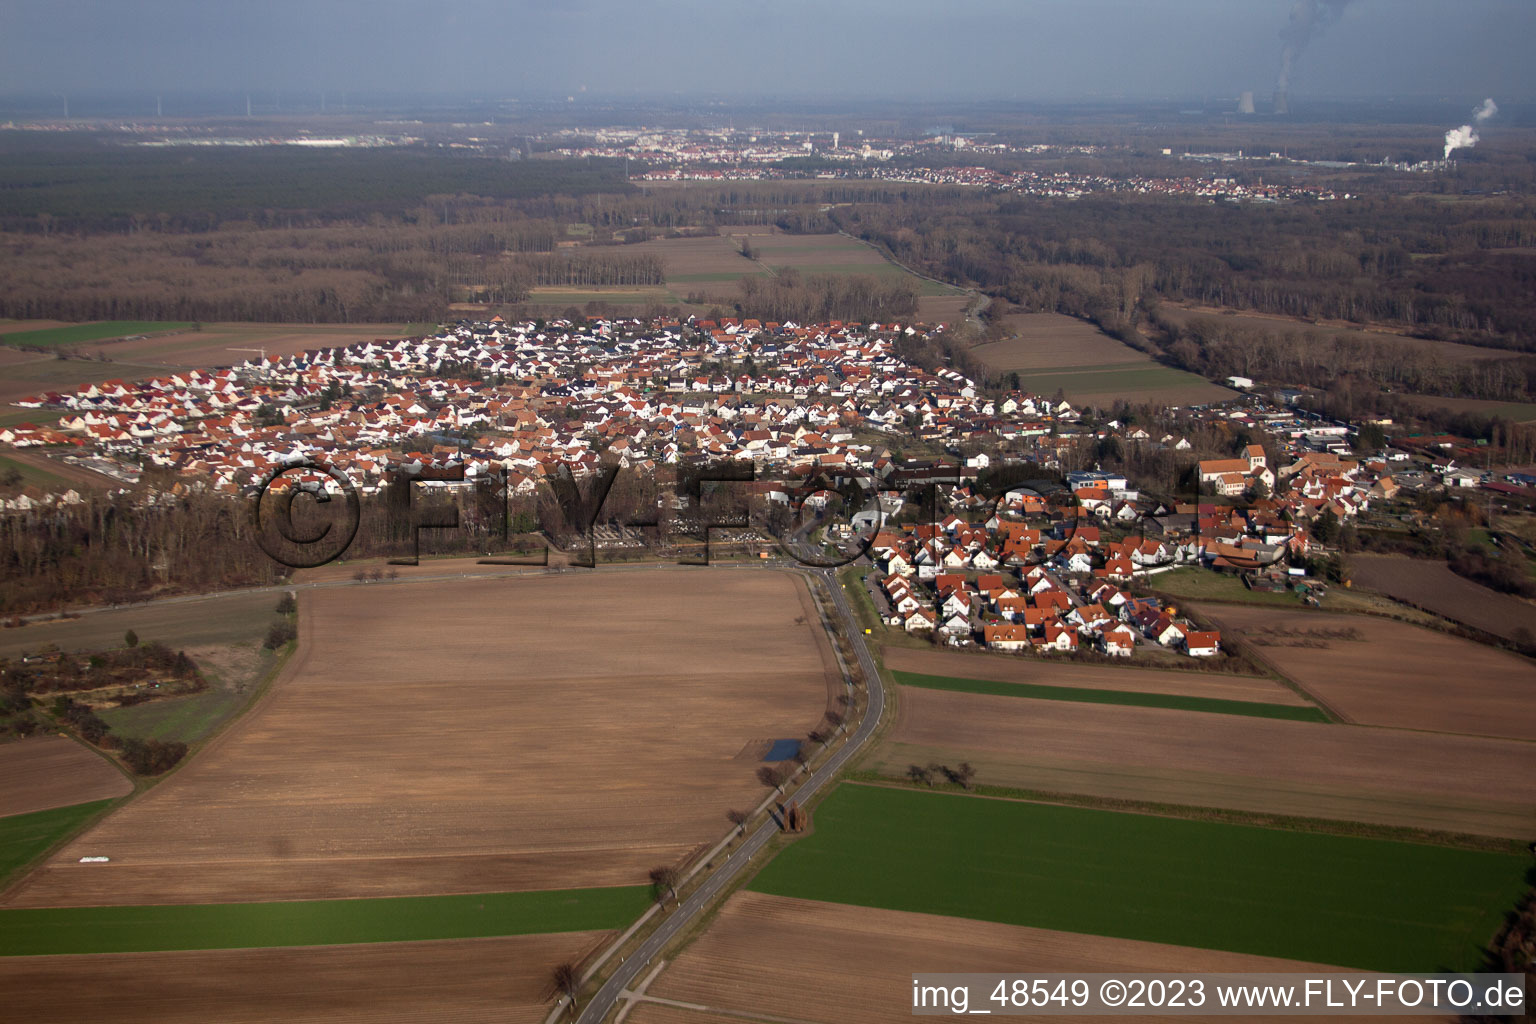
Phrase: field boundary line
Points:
(24, 871)
(1196, 812)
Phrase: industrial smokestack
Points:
(1282, 103)
(1466, 136)
(1245, 103)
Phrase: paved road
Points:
(597, 1008)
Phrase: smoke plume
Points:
(1466, 136)
(1308, 18)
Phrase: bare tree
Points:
(739, 819)
(664, 881)
(771, 775)
(917, 773)
(964, 774)
(565, 980)
(818, 736)
(834, 719)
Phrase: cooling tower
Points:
(1245, 103)
(1282, 103)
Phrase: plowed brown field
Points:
(1382, 776)
(1393, 673)
(477, 735)
(1430, 584)
(806, 960)
(1045, 672)
(501, 980)
(52, 771)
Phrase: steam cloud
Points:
(1308, 18)
(1466, 136)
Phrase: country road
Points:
(600, 1004)
(721, 877)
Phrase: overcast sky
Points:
(941, 49)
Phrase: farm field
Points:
(805, 959)
(1045, 672)
(128, 929)
(25, 836)
(1367, 903)
(1050, 352)
(1520, 412)
(712, 265)
(15, 326)
(222, 635)
(45, 373)
(1204, 584)
(472, 980)
(42, 470)
(1434, 586)
(1291, 327)
(1131, 698)
(1392, 673)
(215, 343)
(33, 475)
(41, 772)
(74, 334)
(152, 356)
(217, 621)
(476, 735)
(616, 296)
(1381, 776)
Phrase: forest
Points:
(92, 231)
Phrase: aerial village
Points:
(1036, 568)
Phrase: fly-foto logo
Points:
(308, 513)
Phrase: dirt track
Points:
(500, 980)
(52, 771)
(1383, 776)
(1392, 673)
(477, 735)
(1045, 672)
(807, 960)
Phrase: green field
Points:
(1084, 695)
(622, 296)
(187, 719)
(32, 476)
(1367, 903)
(1109, 381)
(39, 932)
(25, 836)
(78, 333)
(717, 277)
(1209, 585)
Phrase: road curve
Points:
(597, 1008)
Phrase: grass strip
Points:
(1130, 698)
(77, 333)
(55, 930)
(24, 837)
